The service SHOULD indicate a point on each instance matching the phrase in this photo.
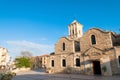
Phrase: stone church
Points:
(96, 52)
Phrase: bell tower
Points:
(75, 30)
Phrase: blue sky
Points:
(36, 25)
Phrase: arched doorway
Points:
(96, 67)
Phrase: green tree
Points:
(22, 62)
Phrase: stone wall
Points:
(70, 63)
(21, 70)
(103, 39)
(68, 46)
(115, 61)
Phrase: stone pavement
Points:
(37, 75)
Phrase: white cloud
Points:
(15, 47)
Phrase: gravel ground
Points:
(39, 75)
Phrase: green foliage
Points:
(104, 68)
(7, 76)
(23, 62)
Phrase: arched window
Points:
(52, 63)
(78, 62)
(77, 46)
(64, 63)
(63, 46)
(93, 40)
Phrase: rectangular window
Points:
(52, 63)
(64, 63)
(78, 62)
(77, 46)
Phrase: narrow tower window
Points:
(93, 40)
(63, 46)
(73, 32)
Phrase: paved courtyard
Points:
(39, 75)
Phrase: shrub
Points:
(7, 76)
(104, 68)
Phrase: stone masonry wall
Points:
(68, 46)
(103, 40)
(115, 64)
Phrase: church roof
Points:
(103, 31)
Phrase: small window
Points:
(52, 63)
(78, 62)
(63, 46)
(119, 60)
(93, 40)
(77, 46)
(64, 63)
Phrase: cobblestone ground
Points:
(37, 75)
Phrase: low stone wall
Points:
(21, 69)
